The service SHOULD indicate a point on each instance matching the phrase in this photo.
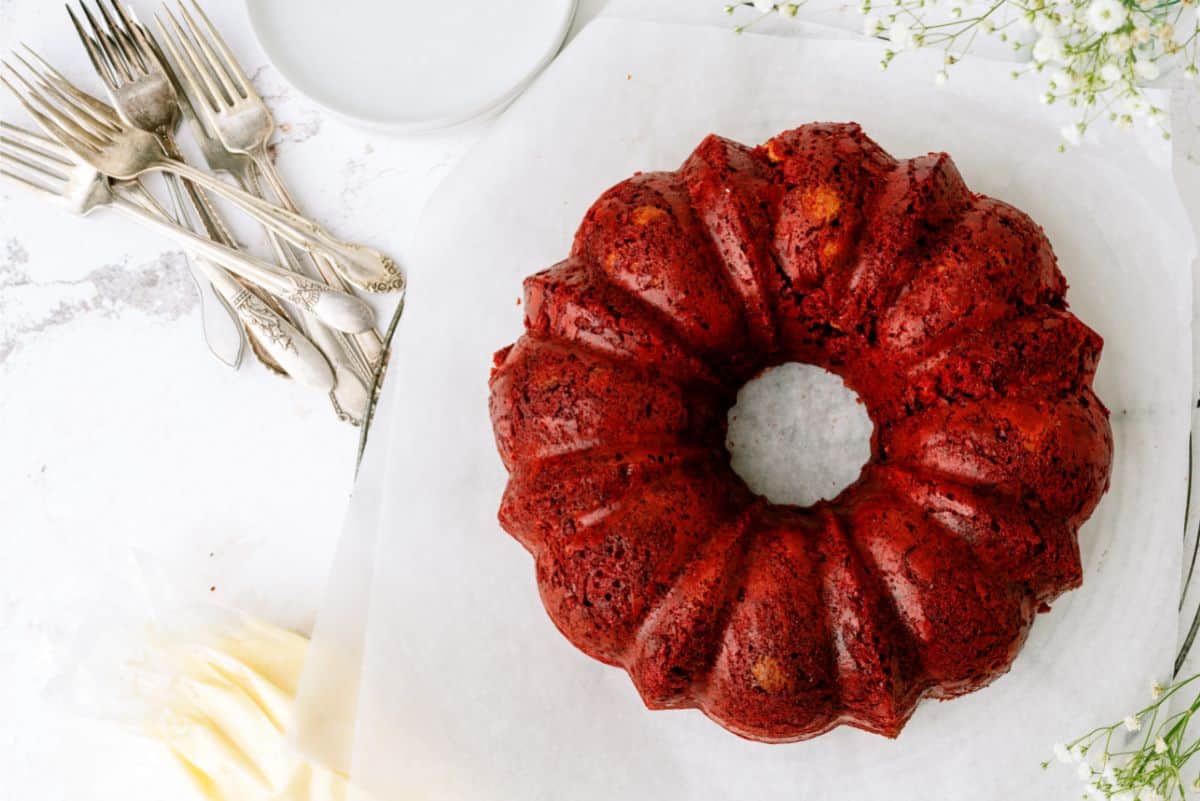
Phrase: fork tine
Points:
(61, 124)
(97, 107)
(36, 141)
(235, 68)
(73, 99)
(31, 158)
(124, 39)
(48, 125)
(28, 183)
(94, 104)
(214, 61)
(199, 82)
(146, 48)
(99, 62)
(111, 52)
(67, 104)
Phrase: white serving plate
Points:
(409, 66)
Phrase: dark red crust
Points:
(945, 310)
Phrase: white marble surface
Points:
(120, 434)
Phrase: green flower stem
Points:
(1153, 768)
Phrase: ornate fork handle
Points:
(287, 346)
(367, 346)
(338, 309)
(299, 230)
(290, 349)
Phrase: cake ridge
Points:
(732, 559)
(693, 323)
(906, 252)
(696, 175)
(537, 289)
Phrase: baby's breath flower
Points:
(1136, 105)
(901, 35)
(1095, 56)
(1146, 69)
(1045, 25)
(1072, 134)
(1118, 44)
(1048, 48)
(1106, 16)
(1150, 767)
(1062, 81)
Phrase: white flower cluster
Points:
(1115, 765)
(1098, 56)
(1103, 52)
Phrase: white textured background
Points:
(119, 433)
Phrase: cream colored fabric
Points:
(224, 709)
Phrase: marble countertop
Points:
(125, 442)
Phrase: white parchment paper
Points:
(468, 691)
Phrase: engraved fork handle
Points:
(339, 310)
(366, 347)
(347, 389)
(287, 346)
(351, 395)
(209, 217)
(294, 227)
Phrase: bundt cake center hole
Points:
(798, 434)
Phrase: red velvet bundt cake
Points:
(943, 309)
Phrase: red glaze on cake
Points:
(943, 309)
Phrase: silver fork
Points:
(351, 396)
(124, 152)
(46, 166)
(84, 189)
(355, 357)
(146, 100)
(222, 92)
(223, 95)
(144, 91)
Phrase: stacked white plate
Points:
(411, 67)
